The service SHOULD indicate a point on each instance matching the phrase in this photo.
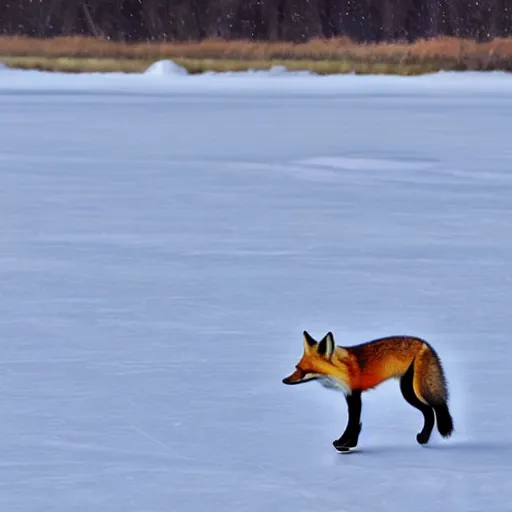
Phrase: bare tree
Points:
(294, 20)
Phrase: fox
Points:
(356, 369)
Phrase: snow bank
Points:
(165, 68)
(277, 81)
(274, 71)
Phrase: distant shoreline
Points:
(322, 56)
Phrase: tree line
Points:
(287, 20)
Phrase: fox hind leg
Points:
(407, 389)
(350, 436)
(429, 384)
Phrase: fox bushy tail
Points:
(431, 387)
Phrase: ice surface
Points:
(165, 242)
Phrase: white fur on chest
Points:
(332, 383)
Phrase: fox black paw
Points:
(422, 438)
(342, 449)
(348, 439)
(344, 444)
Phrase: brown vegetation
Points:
(325, 56)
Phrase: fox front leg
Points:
(350, 437)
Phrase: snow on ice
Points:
(164, 244)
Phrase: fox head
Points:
(322, 361)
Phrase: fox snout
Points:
(289, 380)
(298, 377)
(294, 378)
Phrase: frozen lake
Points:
(166, 240)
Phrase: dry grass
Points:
(195, 66)
(338, 55)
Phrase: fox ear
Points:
(309, 342)
(326, 346)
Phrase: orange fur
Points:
(365, 366)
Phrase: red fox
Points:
(358, 368)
